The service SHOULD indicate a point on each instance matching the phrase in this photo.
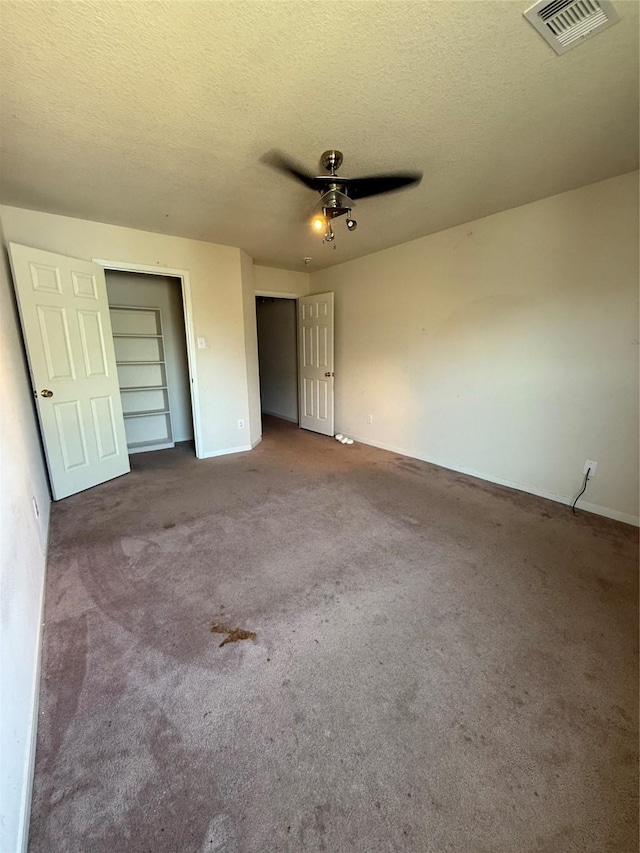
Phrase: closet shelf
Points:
(144, 388)
(146, 413)
(157, 444)
(139, 362)
(148, 426)
(132, 335)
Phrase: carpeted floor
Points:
(439, 664)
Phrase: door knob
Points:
(329, 374)
(46, 393)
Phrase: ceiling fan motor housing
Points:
(331, 160)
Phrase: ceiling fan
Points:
(338, 195)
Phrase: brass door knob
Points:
(46, 393)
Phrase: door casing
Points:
(185, 285)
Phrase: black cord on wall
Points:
(584, 489)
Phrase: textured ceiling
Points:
(155, 115)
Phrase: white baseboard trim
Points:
(209, 454)
(608, 513)
(282, 417)
(256, 442)
(30, 760)
(532, 490)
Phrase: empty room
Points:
(320, 421)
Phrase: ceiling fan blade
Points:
(378, 184)
(281, 163)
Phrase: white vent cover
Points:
(567, 23)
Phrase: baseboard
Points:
(282, 417)
(531, 490)
(209, 454)
(30, 762)
(256, 442)
(608, 513)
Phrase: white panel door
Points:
(67, 333)
(315, 362)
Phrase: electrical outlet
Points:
(369, 419)
(36, 511)
(241, 424)
(590, 466)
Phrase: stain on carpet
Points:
(233, 634)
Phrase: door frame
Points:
(271, 294)
(187, 310)
(278, 294)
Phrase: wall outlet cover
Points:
(590, 466)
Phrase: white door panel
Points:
(315, 362)
(67, 332)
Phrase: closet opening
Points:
(150, 341)
(276, 320)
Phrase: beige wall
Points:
(505, 348)
(216, 295)
(275, 282)
(23, 542)
(165, 293)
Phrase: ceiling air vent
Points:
(567, 23)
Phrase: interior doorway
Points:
(150, 342)
(276, 320)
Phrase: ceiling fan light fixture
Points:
(338, 195)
